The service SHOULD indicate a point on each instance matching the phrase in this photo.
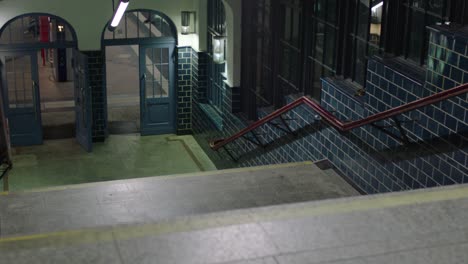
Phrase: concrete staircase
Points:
(266, 215)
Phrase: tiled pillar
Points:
(184, 91)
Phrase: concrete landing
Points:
(64, 162)
(147, 200)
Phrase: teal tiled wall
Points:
(371, 159)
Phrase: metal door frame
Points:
(36, 95)
(37, 46)
(172, 97)
(143, 42)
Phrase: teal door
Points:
(83, 113)
(157, 95)
(21, 95)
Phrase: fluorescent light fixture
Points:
(119, 14)
(377, 6)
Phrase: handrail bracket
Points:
(230, 154)
(284, 126)
(402, 137)
(254, 139)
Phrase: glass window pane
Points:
(332, 11)
(287, 23)
(330, 51)
(158, 55)
(285, 62)
(418, 3)
(68, 34)
(436, 7)
(360, 63)
(320, 8)
(296, 31)
(363, 18)
(165, 81)
(416, 36)
(319, 41)
(120, 32)
(149, 86)
(157, 26)
(295, 68)
(376, 22)
(143, 24)
(150, 56)
(316, 83)
(165, 55)
(132, 24)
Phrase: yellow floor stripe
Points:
(67, 238)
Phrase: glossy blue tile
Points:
(456, 75)
(453, 58)
(460, 47)
(463, 63)
(448, 84)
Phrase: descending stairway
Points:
(255, 215)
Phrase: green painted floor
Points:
(63, 162)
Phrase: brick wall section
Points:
(195, 72)
(200, 94)
(96, 81)
(372, 160)
(231, 100)
(184, 91)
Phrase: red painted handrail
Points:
(335, 122)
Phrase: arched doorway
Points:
(140, 74)
(38, 79)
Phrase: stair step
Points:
(425, 226)
(147, 200)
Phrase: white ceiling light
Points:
(119, 14)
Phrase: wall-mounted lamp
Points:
(189, 21)
(219, 49)
(118, 14)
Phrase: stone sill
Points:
(213, 115)
(408, 69)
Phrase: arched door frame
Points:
(24, 48)
(39, 45)
(142, 42)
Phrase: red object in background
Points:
(44, 35)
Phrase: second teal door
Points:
(158, 107)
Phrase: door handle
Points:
(143, 93)
(34, 103)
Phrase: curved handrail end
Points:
(215, 142)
